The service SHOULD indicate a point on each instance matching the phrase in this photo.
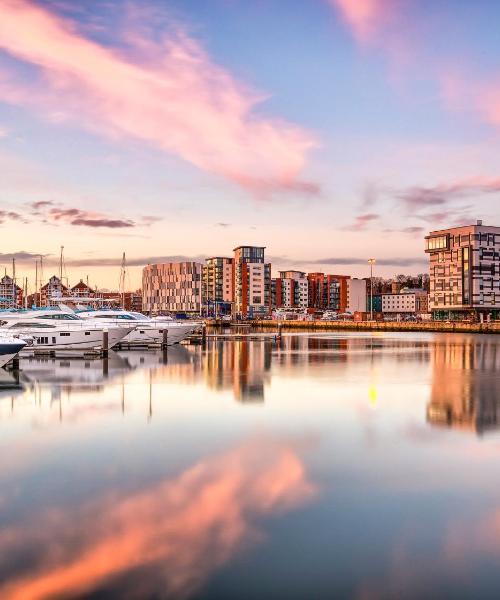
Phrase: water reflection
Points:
(465, 385)
(314, 466)
(184, 527)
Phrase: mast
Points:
(14, 298)
(123, 274)
(41, 278)
(61, 264)
(36, 282)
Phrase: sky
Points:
(329, 131)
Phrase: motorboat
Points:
(147, 331)
(55, 329)
(9, 348)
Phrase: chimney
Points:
(479, 223)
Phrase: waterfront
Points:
(357, 465)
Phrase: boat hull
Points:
(9, 350)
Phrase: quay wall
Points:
(433, 326)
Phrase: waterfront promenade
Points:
(436, 326)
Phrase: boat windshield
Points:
(139, 316)
(122, 317)
(59, 317)
(31, 325)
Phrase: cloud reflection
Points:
(186, 528)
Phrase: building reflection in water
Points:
(243, 366)
(465, 391)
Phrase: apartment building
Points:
(407, 302)
(218, 286)
(290, 290)
(356, 295)
(11, 295)
(172, 287)
(328, 292)
(464, 271)
(252, 282)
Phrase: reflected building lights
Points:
(465, 390)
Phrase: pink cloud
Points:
(364, 17)
(175, 98)
(462, 92)
(361, 222)
(385, 23)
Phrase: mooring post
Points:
(204, 332)
(15, 363)
(105, 342)
(164, 341)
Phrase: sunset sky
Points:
(328, 131)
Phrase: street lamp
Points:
(371, 262)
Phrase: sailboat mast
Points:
(122, 280)
(14, 299)
(36, 283)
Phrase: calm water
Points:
(325, 466)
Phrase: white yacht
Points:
(147, 331)
(9, 348)
(59, 330)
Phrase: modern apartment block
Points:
(408, 301)
(252, 282)
(328, 292)
(218, 286)
(356, 295)
(464, 271)
(172, 287)
(290, 290)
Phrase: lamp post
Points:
(371, 262)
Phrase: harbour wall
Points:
(432, 326)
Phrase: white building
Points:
(408, 301)
(356, 295)
(464, 271)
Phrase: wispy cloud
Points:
(83, 218)
(361, 222)
(21, 257)
(347, 261)
(364, 17)
(412, 230)
(10, 215)
(48, 211)
(132, 262)
(388, 25)
(170, 94)
(418, 197)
